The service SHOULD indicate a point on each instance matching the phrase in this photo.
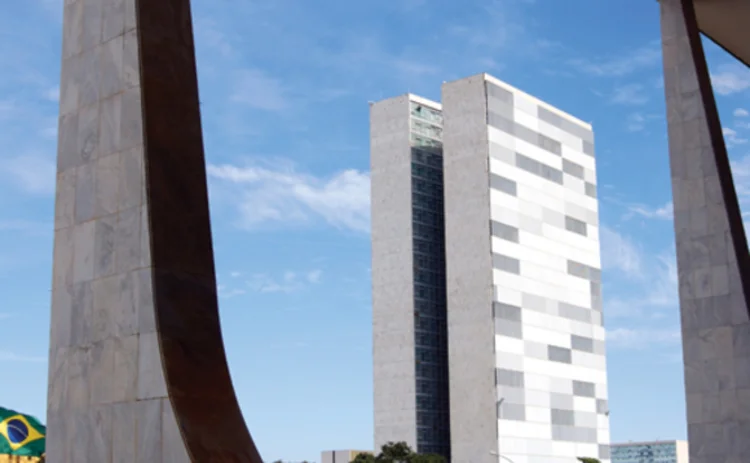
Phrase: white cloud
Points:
(619, 252)
(284, 196)
(664, 291)
(314, 276)
(369, 61)
(8, 356)
(659, 82)
(664, 212)
(225, 292)
(624, 64)
(643, 338)
(501, 26)
(637, 122)
(732, 138)
(51, 8)
(640, 316)
(647, 298)
(34, 174)
(255, 89)
(263, 283)
(52, 94)
(741, 112)
(287, 283)
(209, 34)
(630, 94)
(730, 78)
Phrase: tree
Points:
(428, 458)
(399, 452)
(395, 452)
(364, 458)
(588, 460)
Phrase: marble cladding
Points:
(469, 288)
(714, 310)
(120, 322)
(107, 396)
(394, 382)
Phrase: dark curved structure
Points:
(712, 253)
(138, 371)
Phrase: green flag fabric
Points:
(21, 435)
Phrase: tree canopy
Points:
(364, 458)
(588, 460)
(398, 452)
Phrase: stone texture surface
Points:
(137, 370)
(469, 286)
(712, 254)
(394, 381)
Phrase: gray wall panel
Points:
(503, 184)
(469, 270)
(504, 231)
(392, 289)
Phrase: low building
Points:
(668, 451)
(341, 456)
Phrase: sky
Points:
(284, 87)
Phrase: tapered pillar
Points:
(137, 370)
(712, 256)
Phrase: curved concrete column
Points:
(137, 365)
(712, 255)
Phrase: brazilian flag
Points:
(21, 435)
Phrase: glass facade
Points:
(430, 318)
(662, 452)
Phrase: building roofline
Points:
(536, 100)
(412, 97)
(490, 78)
(425, 101)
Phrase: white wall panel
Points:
(579, 157)
(502, 138)
(538, 154)
(526, 119)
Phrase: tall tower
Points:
(408, 274)
(528, 379)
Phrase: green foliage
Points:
(398, 452)
(588, 460)
(395, 452)
(364, 458)
(427, 458)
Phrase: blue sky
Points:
(284, 87)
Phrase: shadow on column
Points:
(138, 371)
(712, 254)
